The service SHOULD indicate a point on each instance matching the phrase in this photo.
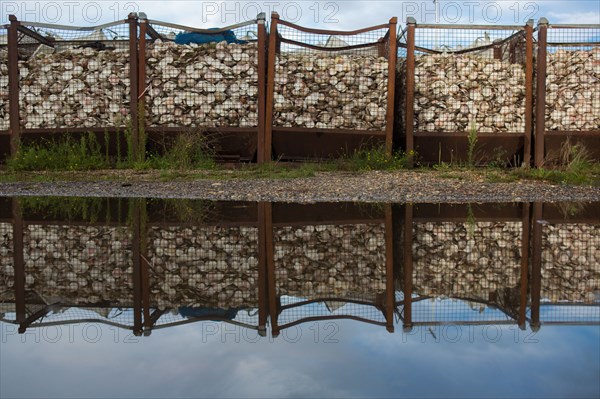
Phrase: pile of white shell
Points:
(573, 90)
(203, 267)
(319, 90)
(571, 263)
(330, 260)
(456, 93)
(79, 265)
(202, 85)
(75, 88)
(464, 259)
(7, 271)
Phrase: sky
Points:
(337, 15)
(358, 360)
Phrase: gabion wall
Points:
(7, 271)
(203, 267)
(330, 260)
(466, 260)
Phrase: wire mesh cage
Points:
(331, 80)
(78, 265)
(462, 82)
(4, 105)
(202, 271)
(468, 79)
(571, 264)
(330, 271)
(434, 311)
(203, 77)
(477, 260)
(74, 77)
(7, 273)
(572, 97)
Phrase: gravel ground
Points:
(377, 186)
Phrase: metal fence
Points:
(335, 83)
(568, 90)
(462, 81)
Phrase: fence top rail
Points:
(70, 27)
(477, 27)
(332, 32)
(199, 30)
(331, 49)
(574, 26)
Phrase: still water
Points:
(183, 298)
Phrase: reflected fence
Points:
(483, 94)
(144, 265)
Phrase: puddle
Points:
(338, 298)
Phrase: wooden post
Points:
(524, 280)
(408, 266)
(392, 59)
(270, 87)
(262, 87)
(390, 293)
(540, 98)
(410, 89)
(536, 269)
(18, 261)
(133, 87)
(528, 92)
(497, 51)
(13, 85)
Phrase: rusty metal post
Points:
(263, 285)
(524, 280)
(270, 258)
(133, 86)
(137, 259)
(18, 261)
(390, 293)
(270, 87)
(411, 24)
(141, 81)
(262, 87)
(13, 85)
(536, 267)
(497, 51)
(392, 59)
(408, 266)
(528, 92)
(540, 97)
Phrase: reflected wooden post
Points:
(137, 284)
(148, 322)
(13, 85)
(536, 271)
(270, 261)
(524, 283)
(408, 266)
(262, 87)
(270, 87)
(263, 290)
(390, 294)
(411, 24)
(18, 262)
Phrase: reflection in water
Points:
(145, 265)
